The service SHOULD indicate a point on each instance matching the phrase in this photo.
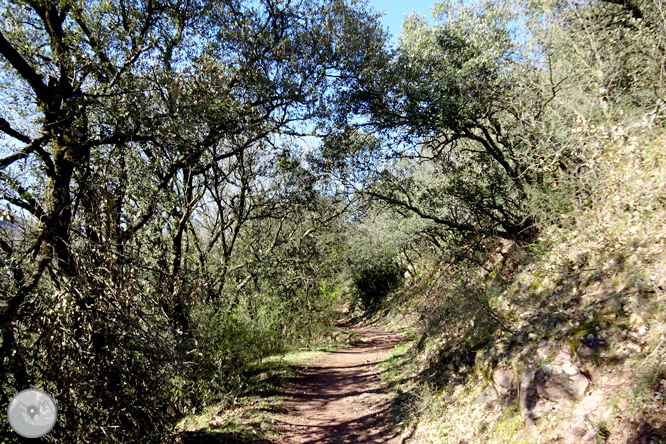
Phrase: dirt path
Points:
(340, 398)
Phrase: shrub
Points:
(375, 272)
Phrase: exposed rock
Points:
(502, 387)
(531, 426)
(563, 357)
(503, 379)
(544, 349)
(590, 436)
(488, 395)
(578, 429)
(585, 353)
(544, 390)
(592, 372)
(527, 398)
(541, 408)
(560, 383)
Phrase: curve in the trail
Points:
(340, 398)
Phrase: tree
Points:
(118, 115)
(445, 135)
(609, 56)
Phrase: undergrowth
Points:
(592, 285)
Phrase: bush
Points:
(375, 272)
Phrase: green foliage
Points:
(166, 232)
(375, 280)
(616, 47)
(451, 142)
(170, 234)
(375, 271)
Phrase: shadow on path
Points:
(341, 398)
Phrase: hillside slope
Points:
(561, 341)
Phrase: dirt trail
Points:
(340, 397)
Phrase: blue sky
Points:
(396, 10)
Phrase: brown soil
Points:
(340, 398)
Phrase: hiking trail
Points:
(340, 397)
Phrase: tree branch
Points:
(7, 129)
(26, 71)
(34, 146)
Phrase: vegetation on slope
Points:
(592, 288)
(553, 333)
(193, 186)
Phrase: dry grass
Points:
(600, 270)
